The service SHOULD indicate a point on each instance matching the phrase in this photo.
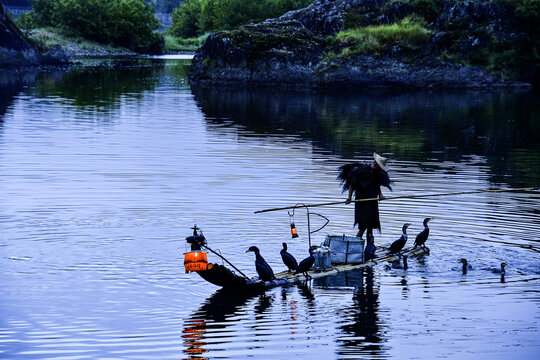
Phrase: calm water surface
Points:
(104, 169)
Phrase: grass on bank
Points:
(410, 31)
(46, 38)
(173, 43)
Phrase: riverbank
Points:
(46, 38)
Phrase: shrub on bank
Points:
(128, 23)
(195, 17)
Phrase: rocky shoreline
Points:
(15, 51)
(293, 50)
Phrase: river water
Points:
(106, 167)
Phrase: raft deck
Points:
(221, 276)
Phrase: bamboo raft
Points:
(220, 275)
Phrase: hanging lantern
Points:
(294, 232)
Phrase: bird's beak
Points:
(248, 250)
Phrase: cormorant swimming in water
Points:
(423, 236)
(501, 271)
(289, 260)
(398, 245)
(369, 251)
(263, 269)
(307, 263)
(466, 265)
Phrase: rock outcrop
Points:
(294, 50)
(16, 51)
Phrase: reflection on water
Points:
(418, 126)
(105, 167)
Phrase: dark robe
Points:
(366, 183)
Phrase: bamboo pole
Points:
(393, 198)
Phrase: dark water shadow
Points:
(12, 83)
(424, 127)
(361, 327)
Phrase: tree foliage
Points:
(195, 17)
(128, 23)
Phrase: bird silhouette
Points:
(398, 245)
(466, 266)
(289, 260)
(307, 263)
(263, 269)
(369, 251)
(502, 270)
(422, 236)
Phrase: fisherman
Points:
(365, 180)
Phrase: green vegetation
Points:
(409, 33)
(173, 43)
(196, 17)
(46, 38)
(486, 46)
(128, 23)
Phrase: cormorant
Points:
(289, 260)
(398, 245)
(423, 236)
(307, 263)
(501, 271)
(369, 251)
(263, 269)
(466, 265)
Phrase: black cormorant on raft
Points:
(289, 260)
(306, 264)
(423, 236)
(397, 246)
(263, 269)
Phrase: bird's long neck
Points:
(464, 266)
(258, 256)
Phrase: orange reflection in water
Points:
(193, 336)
